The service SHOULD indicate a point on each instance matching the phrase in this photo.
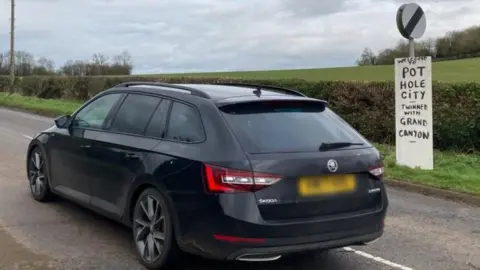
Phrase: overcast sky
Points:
(166, 36)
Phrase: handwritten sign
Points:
(413, 112)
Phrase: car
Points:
(226, 171)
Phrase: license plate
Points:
(327, 185)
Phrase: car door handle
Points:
(131, 156)
(86, 146)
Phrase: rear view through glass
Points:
(288, 126)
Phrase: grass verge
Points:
(47, 107)
(453, 171)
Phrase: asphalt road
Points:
(421, 232)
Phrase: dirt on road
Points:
(15, 256)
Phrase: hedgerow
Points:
(367, 106)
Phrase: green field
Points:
(452, 71)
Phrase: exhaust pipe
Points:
(258, 257)
(369, 242)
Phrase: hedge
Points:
(367, 106)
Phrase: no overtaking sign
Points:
(411, 21)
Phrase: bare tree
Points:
(123, 59)
(26, 65)
(453, 45)
(100, 59)
(122, 64)
(44, 66)
(367, 58)
(99, 65)
(4, 63)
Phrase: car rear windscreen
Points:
(287, 126)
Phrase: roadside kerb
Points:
(465, 198)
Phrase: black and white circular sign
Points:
(411, 21)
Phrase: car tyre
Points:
(38, 176)
(152, 228)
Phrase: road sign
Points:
(413, 112)
(411, 21)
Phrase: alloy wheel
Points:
(37, 174)
(149, 228)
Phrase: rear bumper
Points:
(270, 248)
(274, 251)
(243, 231)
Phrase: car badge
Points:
(332, 165)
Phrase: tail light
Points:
(220, 179)
(377, 171)
(233, 239)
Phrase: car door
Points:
(119, 151)
(70, 148)
(180, 148)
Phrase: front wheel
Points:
(38, 176)
(153, 230)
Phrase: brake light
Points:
(377, 171)
(221, 179)
(233, 239)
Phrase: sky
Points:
(173, 36)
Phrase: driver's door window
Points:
(95, 113)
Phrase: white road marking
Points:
(28, 137)
(377, 259)
(26, 115)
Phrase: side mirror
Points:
(62, 121)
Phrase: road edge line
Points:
(377, 259)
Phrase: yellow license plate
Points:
(327, 185)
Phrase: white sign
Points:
(413, 112)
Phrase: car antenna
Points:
(257, 91)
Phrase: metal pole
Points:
(12, 46)
(411, 47)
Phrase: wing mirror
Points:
(62, 121)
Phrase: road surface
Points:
(421, 232)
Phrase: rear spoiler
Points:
(315, 104)
(259, 88)
(268, 99)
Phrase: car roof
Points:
(218, 93)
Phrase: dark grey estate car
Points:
(229, 172)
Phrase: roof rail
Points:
(193, 91)
(268, 87)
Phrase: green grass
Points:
(49, 107)
(453, 171)
(451, 71)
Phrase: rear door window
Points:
(185, 124)
(134, 114)
(287, 126)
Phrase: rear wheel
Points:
(38, 177)
(153, 230)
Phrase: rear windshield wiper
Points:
(336, 145)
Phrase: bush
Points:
(368, 106)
